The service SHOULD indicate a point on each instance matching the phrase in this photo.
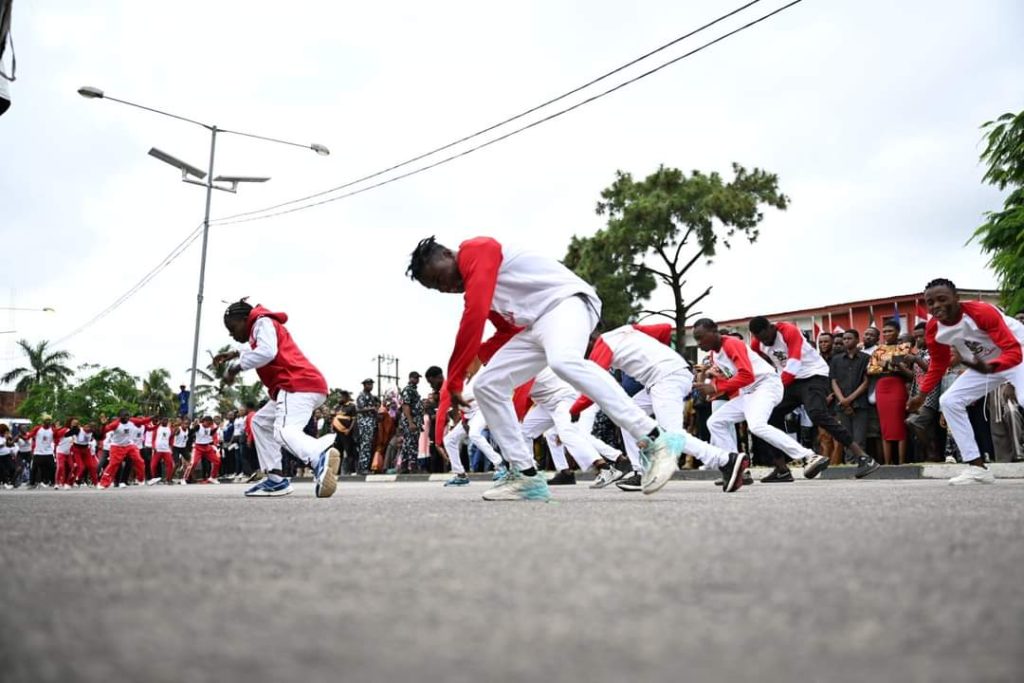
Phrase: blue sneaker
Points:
(325, 473)
(661, 460)
(518, 487)
(267, 489)
(458, 480)
(500, 473)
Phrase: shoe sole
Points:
(270, 494)
(787, 480)
(869, 472)
(327, 487)
(736, 480)
(811, 471)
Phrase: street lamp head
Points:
(320, 149)
(89, 92)
(47, 309)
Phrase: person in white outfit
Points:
(990, 344)
(547, 313)
(470, 429)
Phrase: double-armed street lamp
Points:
(195, 176)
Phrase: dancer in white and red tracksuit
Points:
(742, 370)
(990, 344)
(206, 438)
(162, 453)
(805, 381)
(65, 459)
(643, 353)
(296, 389)
(44, 467)
(470, 428)
(556, 312)
(123, 435)
(85, 458)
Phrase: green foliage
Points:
(1001, 237)
(675, 220)
(225, 397)
(103, 391)
(157, 397)
(45, 367)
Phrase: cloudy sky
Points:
(868, 111)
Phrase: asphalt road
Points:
(814, 581)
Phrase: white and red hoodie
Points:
(276, 357)
(742, 366)
(512, 288)
(982, 331)
(640, 351)
(162, 439)
(126, 434)
(207, 436)
(792, 354)
(43, 440)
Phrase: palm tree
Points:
(157, 397)
(44, 366)
(213, 375)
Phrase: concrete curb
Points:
(1002, 470)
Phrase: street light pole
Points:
(202, 277)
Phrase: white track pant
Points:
(967, 389)
(558, 339)
(665, 399)
(541, 418)
(586, 425)
(557, 450)
(280, 423)
(474, 434)
(754, 407)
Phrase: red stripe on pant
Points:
(166, 459)
(85, 463)
(202, 452)
(65, 467)
(117, 456)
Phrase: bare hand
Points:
(914, 404)
(707, 389)
(978, 365)
(230, 375)
(1009, 393)
(457, 399)
(222, 358)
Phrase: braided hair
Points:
(941, 282)
(421, 255)
(239, 309)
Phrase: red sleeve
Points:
(504, 332)
(940, 359)
(990, 320)
(794, 347)
(736, 351)
(662, 332)
(32, 434)
(479, 260)
(521, 399)
(59, 432)
(141, 421)
(601, 354)
(248, 429)
(444, 404)
(110, 426)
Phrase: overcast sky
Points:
(868, 111)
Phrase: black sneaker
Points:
(777, 476)
(732, 472)
(748, 479)
(563, 478)
(868, 465)
(624, 465)
(631, 483)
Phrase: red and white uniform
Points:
(162, 452)
(180, 438)
(147, 436)
(759, 390)
(470, 428)
(543, 314)
(43, 440)
(124, 439)
(553, 399)
(65, 461)
(83, 447)
(983, 332)
(295, 386)
(204, 447)
(794, 356)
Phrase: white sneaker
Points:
(973, 475)
(664, 461)
(154, 480)
(815, 465)
(212, 481)
(950, 460)
(519, 487)
(122, 485)
(606, 477)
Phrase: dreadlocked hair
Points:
(941, 282)
(239, 309)
(421, 256)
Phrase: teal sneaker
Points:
(662, 460)
(518, 487)
(458, 480)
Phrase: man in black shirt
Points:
(848, 372)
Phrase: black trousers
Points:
(7, 469)
(44, 469)
(811, 394)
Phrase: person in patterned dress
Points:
(411, 423)
(367, 404)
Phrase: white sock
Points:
(274, 477)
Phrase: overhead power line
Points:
(245, 218)
(167, 260)
(492, 127)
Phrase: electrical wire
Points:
(492, 127)
(516, 131)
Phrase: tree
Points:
(214, 388)
(253, 393)
(1001, 237)
(676, 220)
(103, 391)
(157, 398)
(45, 367)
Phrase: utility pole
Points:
(384, 365)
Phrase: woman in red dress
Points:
(887, 364)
